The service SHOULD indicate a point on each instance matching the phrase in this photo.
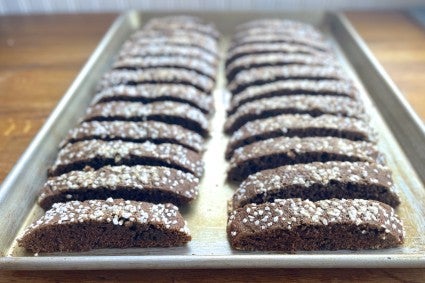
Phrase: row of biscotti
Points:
(137, 152)
(312, 176)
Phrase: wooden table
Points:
(41, 55)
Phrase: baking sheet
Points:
(207, 216)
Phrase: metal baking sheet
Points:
(207, 216)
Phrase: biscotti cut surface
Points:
(98, 153)
(316, 181)
(142, 183)
(291, 125)
(292, 224)
(153, 131)
(272, 153)
(95, 224)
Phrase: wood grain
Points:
(41, 55)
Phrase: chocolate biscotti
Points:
(292, 224)
(275, 152)
(317, 181)
(299, 125)
(154, 184)
(98, 153)
(98, 224)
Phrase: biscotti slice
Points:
(268, 74)
(296, 104)
(291, 125)
(284, 48)
(316, 181)
(153, 131)
(277, 24)
(293, 225)
(275, 59)
(281, 38)
(129, 49)
(180, 38)
(207, 29)
(98, 224)
(142, 183)
(157, 76)
(145, 63)
(276, 152)
(147, 93)
(277, 31)
(164, 111)
(294, 87)
(98, 153)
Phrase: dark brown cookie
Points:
(153, 131)
(272, 153)
(293, 38)
(277, 24)
(297, 104)
(294, 87)
(260, 48)
(189, 26)
(269, 74)
(164, 111)
(276, 59)
(142, 183)
(292, 224)
(296, 125)
(130, 49)
(176, 37)
(316, 181)
(147, 93)
(98, 153)
(156, 76)
(97, 224)
(146, 63)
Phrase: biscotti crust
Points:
(317, 181)
(98, 153)
(292, 224)
(142, 183)
(163, 111)
(148, 93)
(297, 125)
(298, 104)
(95, 224)
(272, 153)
